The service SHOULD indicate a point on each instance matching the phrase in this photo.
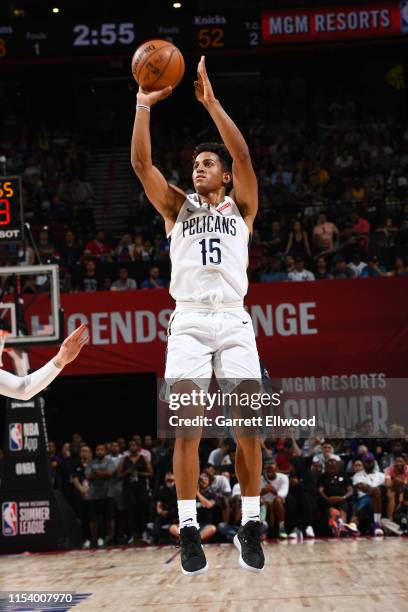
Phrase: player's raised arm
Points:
(25, 387)
(245, 183)
(166, 198)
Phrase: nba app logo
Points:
(9, 518)
(16, 436)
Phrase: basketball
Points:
(157, 64)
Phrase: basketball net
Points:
(3, 336)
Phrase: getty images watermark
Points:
(363, 405)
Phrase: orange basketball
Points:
(157, 64)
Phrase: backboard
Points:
(30, 307)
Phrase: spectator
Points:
(300, 273)
(145, 452)
(166, 507)
(322, 272)
(340, 269)
(89, 281)
(70, 249)
(336, 491)
(401, 514)
(99, 472)
(274, 240)
(116, 492)
(154, 281)
(326, 453)
(228, 529)
(55, 462)
(125, 251)
(81, 484)
(205, 507)
(220, 456)
(274, 490)
(124, 283)
(398, 267)
(373, 269)
(356, 265)
(134, 470)
(396, 477)
(387, 240)
(300, 502)
(325, 233)
(298, 243)
(361, 229)
(273, 272)
(98, 248)
(46, 249)
(282, 174)
(367, 485)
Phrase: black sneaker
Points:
(193, 561)
(248, 542)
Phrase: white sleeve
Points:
(25, 387)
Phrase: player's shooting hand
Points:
(71, 347)
(203, 89)
(149, 98)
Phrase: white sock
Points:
(187, 512)
(377, 517)
(250, 509)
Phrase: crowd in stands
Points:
(333, 194)
(123, 492)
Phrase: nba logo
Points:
(9, 518)
(16, 436)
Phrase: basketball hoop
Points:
(3, 336)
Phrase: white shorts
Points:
(202, 341)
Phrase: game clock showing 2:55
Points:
(106, 34)
(11, 213)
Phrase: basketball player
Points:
(25, 387)
(209, 328)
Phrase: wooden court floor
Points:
(362, 575)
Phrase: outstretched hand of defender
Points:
(149, 98)
(72, 345)
(203, 89)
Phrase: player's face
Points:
(208, 174)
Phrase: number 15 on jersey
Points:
(210, 252)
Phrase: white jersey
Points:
(209, 253)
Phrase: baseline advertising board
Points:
(318, 328)
(334, 23)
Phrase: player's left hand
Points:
(203, 89)
(72, 346)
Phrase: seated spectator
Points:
(220, 456)
(327, 452)
(373, 268)
(154, 281)
(146, 252)
(229, 528)
(70, 249)
(221, 487)
(336, 491)
(280, 172)
(322, 272)
(274, 490)
(205, 507)
(396, 477)
(401, 513)
(289, 264)
(274, 241)
(325, 233)
(166, 507)
(356, 265)
(367, 485)
(300, 502)
(398, 267)
(98, 473)
(124, 283)
(46, 249)
(98, 248)
(125, 251)
(300, 273)
(298, 243)
(89, 281)
(340, 268)
(273, 273)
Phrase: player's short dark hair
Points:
(217, 148)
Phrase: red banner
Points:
(316, 328)
(331, 23)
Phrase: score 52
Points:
(210, 38)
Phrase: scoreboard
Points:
(62, 39)
(11, 210)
